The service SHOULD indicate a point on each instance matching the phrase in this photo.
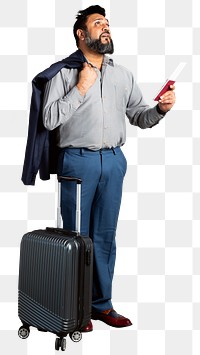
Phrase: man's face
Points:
(98, 36)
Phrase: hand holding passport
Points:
(170, 81)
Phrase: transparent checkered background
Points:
(157, 278)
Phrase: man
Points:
(87, 108)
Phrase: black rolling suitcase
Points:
(55, 279)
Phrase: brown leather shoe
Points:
(112, 318)
(87, 328)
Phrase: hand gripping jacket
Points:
(41, 150)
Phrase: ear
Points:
(80, 34)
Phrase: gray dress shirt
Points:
(96, 120)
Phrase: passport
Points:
(170, 81)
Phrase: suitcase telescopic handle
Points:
(78, 201)
(69, 178)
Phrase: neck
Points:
(93, 57)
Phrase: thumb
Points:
(85, 64)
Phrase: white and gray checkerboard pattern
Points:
(157, 277)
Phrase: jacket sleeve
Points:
(37, 136)
(40, 150)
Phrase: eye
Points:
(101, 23)
(97, 22)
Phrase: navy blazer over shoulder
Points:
(41, 150)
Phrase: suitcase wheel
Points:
(76, 336)
(23, 332)
(60, 343)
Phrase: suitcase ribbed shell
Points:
(51, 284)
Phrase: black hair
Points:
(81, 18)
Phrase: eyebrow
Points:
(101, 19)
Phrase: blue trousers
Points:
(102, 173)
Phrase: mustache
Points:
(97, 45)
(106, 32)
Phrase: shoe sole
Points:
(114, 326)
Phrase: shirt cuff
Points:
(160, 111)
(157, 116)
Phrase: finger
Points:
(167, 95)
(87, 65)
(172, 87)
(171, 92)
(167, 102)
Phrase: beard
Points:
(97, 46)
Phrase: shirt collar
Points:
(108, 60)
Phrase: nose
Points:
(106, 29)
